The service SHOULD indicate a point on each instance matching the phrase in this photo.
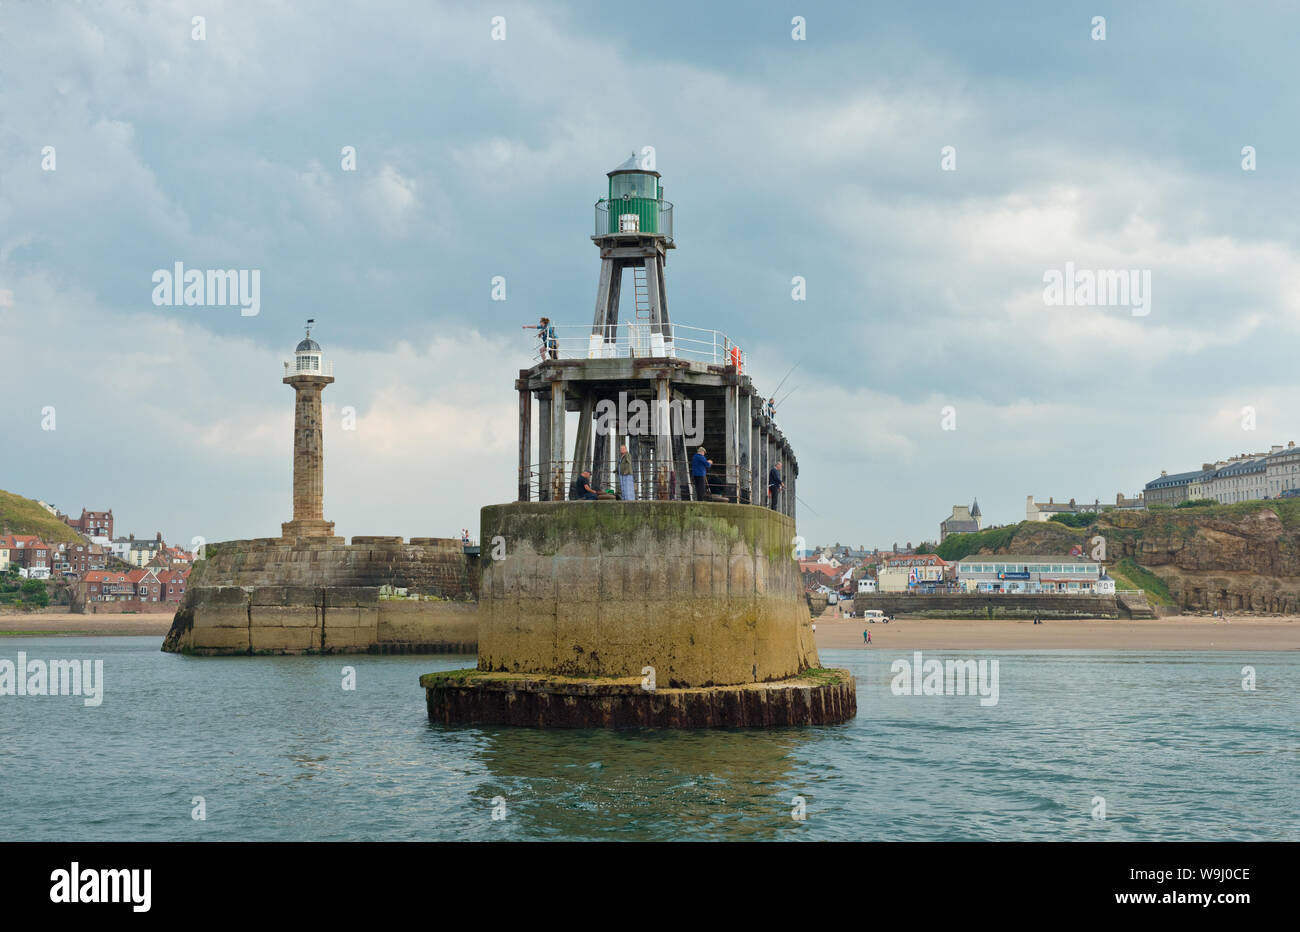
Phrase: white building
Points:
(1239, 479)
(1283, 470)
(1031, 574)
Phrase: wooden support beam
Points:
(544, 446)
(731, 453)
(525, 444)
(663, 446)
(582, 443)
(601, 320)
(665, 322)
(556, 469)
(744, 472)
(652, 283)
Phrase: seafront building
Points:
(921, 572)
(1033, 574)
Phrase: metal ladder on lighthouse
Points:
(639, 329)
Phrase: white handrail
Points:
(638, 339)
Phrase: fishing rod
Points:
(782, 382)
(806, 505)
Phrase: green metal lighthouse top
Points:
(635, 205)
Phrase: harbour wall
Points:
(375, 595)
(999, 605)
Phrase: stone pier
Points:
(607, 613)
(376, 595)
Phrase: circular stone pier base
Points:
(814, 697)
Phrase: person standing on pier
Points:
(775, 484)
(625, 483)
(699, 474)
(550, 345)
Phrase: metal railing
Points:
(634, 215)
(725, 480)
(633, 339)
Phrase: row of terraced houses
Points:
(109, 569)
(1241, 478)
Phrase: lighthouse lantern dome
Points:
(307, 355)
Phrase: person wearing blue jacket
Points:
(699, 474)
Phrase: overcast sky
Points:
(478, 157)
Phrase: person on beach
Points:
(866, 637)
(625, 483)
(774, 484)
(699, 474)
(582, 487)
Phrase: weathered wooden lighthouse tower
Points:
(661, 388)
(308, 375)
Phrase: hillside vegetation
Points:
(26, 516)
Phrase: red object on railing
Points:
(735, 358)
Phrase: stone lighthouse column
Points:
(308, 376)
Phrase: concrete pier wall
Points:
(705, 593)
(269, 596)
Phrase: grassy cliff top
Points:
(26, 516)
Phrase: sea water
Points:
(1080, 745)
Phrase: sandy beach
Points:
(1173, 633)
(1179, 632)
(66, 624)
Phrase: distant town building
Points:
(919, 572)
(1044, 511)
(34, 557)
(137, 552)
(92, 523)
(963, 520)
(1241, 478)
(1283, 472)
(107, 586)
(81, 558)
(1170, 490)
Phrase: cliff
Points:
(1238, 558)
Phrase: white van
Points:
(874, 614)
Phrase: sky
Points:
(924, 367)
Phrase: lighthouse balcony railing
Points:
(640, 339)
(634, 215)
(325, 368)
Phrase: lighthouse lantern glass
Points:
(633, 184)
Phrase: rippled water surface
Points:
(279, 750)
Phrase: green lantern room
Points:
(635, 203)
